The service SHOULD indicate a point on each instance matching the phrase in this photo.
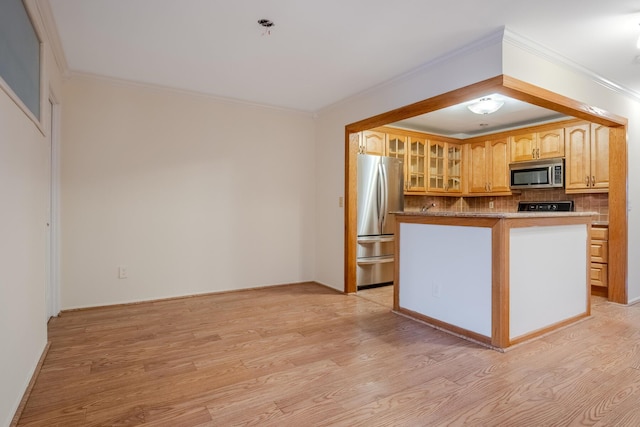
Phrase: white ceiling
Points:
(320, 52)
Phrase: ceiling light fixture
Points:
(485, 106)
(267, 24)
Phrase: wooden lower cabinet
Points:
(599, 260)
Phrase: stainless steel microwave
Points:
(547, 173)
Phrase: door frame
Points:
(53, 251)
(517, 89)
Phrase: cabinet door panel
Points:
(478, 166)
(550, 144)
(454, 168)
(499, 166)
(578, 163)
(373, 143)
(599, 156)
(436, 166)
(523, 147)
(599, 275)
(396, 147)
(416, 165)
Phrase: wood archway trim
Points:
(517, 89)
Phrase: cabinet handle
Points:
(533, 153)
(489, 186)
(593, 180)
(586, 181)
(537, 153)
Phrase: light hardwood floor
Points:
(304, 355)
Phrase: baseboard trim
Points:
(27, 392)
(124, 304)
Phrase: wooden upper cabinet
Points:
(578, 161)
(436, 182)
(523, 147)
(550, 144)
(537, 145)
(477, 168)
(499, 172)
(372, 142)
(488, 169)
(599, 157)
(416, 165)
(444, 167)
(396, 146)
(454, 168)
(587, 158)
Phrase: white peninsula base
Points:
(498, 279)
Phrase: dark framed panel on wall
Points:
(21, 57)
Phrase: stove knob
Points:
(554, 207)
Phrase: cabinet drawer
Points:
(599, 251)
(599, 233)
(599, 275)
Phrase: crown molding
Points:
(554, 57)
(81, 75)
(50, 28)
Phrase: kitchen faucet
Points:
(426, 208)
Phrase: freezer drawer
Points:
(374, 270)
(374, 246)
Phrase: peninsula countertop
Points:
(496, 214)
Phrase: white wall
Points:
(542, 70)
(22, 248)
(191, 194)
(23, 193)
(475, 63)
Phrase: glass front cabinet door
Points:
(445, 167)
(416, 166)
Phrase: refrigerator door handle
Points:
(385, 196)
(380, 195)
(375, 239)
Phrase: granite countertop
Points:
(496, 214)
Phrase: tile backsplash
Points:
(596, 202)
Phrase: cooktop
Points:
(557, 206)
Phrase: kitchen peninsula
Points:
(495, 278)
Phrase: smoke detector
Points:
(267, 24)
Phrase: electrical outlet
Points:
(122, 272)
(490, 205)
(340, 201)
(436, 290)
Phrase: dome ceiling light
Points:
(486, 105)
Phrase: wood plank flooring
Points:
(304, 355)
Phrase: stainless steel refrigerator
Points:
(380, 192)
